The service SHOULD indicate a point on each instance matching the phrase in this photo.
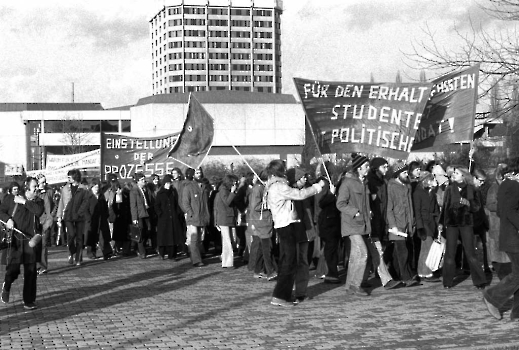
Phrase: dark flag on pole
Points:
(196, 138)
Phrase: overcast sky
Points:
(103, 46)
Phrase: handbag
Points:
(434, 259)
(135, 233)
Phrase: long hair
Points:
(229, 180)
(467, 178)
(75, 174)
(276, 168)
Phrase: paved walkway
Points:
(130, 303)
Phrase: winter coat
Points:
(73, 207)
(508, 212)
(123, 217)
(426, 210)
(195, 203)
(225, 207)
(455, 214)
(279, 199)
(353, 199)
(47, 218)
(140, 206)
(260, 218)
(98, 217)
(329, 220)
(305, 228)
(169, 227)
(378, 203)
(27, 220)
(399, 209)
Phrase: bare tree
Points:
(74, 136)
(496, 50)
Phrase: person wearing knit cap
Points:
(400, 219)
(353, 203)
(378, 201)
(279, 198)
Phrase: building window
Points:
(195, 55)
(218, 11)
(236, 23)
(219, 78)
(263, 13)
(241, 45)
(195, 44)
(217, 66)
(219, 55)
(194, 32)
(240, 12)
(263, 24)
(263, 56)
(198, 77)
(241, 56)
(194, 10)
(175, 11)
(194, 22)
(263, 35)
(175, 22)
(175, 56)
(218, 22)
(265, 46)
(219, 44)
(173, 67)
(175, 44)
(195, 66)
(240, 34)
(241, 78)
(218, 34)
(175, 78)
(241, 67)
(263, 67)
(175, 33)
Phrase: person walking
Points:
(280, 197)
(497, 296)
(22, 212)
(353, 203)
(169, 227)
(225, 216)
(459, 202)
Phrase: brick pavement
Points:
(130, 303)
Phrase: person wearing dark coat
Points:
(426, 212)
(460, 201)
(329, 228)
(225, 216)
(497, 296)
(99, 230)
(22, 213)
(169, 226)
(123, 218)
(141, 209)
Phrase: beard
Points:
(404, 180)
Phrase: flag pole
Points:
(245, 160)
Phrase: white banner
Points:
(90, 159)
(52, 176)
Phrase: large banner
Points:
(449, 114)
(371, 118)
(83, 160)
(125, 155)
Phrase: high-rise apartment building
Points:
(216, 45)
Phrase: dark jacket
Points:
(378, 202)
(98, 217)
(305, 228)
(508, 212)
(73, 207)
(426, 211)
(455, 214)
(260, 217)
(195, 202)
(399, 208)
(123, 216)
(138, 206)
(225, 207)
(329, 220)
(353, 198)
(47, 218)
(169, 227)
(26, 219)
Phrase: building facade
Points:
(216, 45)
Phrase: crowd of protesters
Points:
(376, 219)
